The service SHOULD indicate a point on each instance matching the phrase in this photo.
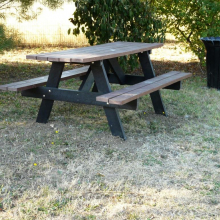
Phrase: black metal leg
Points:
(53, 81)
(149, 73)
(103, 86)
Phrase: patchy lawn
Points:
(72, 168)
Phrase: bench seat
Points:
(40, 81)
(125, 95)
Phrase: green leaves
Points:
(24, 9)
(188, 21)
(104, 21)
(6, 42)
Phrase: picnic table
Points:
(101, 69)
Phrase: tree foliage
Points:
(23, 7)
(23, 11)
(5, 42)
(190, 20)
(105, 21)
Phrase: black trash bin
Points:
(212, 45)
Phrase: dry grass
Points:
(72, 168)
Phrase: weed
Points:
(150, 160)
(154, 126)
(216, 187)
(91, 207)
(109, 152)
(133, 216)
(89, 217)
(58, 204)
(70, 154)
(214, 201)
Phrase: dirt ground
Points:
(73, 168)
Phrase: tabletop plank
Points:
(82, 50)
(95, 53)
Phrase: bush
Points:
(105, 21)
(5, 41)
(188, 21)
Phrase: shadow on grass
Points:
(191, 67)
(18, 71)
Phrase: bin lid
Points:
(210, 38)
(211, 42)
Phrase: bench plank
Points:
(40, 81)
(128, 94)
(106, 97)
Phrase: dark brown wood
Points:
(96, 53)
(81, 51)
(128, 94)
(40, 81)
(106, 97)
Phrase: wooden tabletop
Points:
(95, 53)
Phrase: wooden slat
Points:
(101, 55)
(117, 53)
(97, 52)
(134, 94)
(25, 86)
(74, 73)
(130, 93)
(77, 51)
(17, 84)
(106, 97)
(39, 81)
(82, 50)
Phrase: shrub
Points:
(188, 21)
(5, 41)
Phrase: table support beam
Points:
(72, 96)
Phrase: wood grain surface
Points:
(40, 81)
(130, 93)
(95, 53)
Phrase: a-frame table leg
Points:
(117, 70)
(53, 81)
(87, 82)
(149, 73)
(103, 86)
